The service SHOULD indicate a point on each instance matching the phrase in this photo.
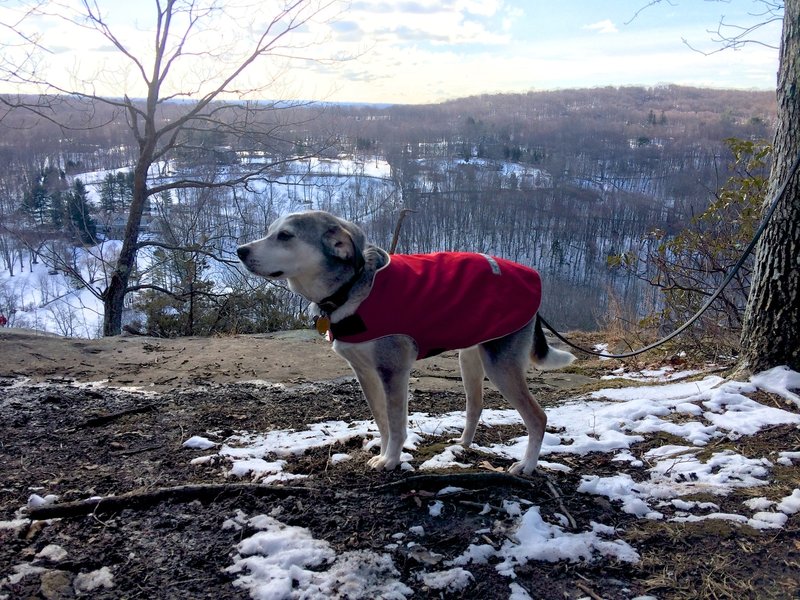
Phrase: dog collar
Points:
(339, 297)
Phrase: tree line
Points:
(560, 189)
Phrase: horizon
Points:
(383, 105)
(432, 51)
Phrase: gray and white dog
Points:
(329, 261)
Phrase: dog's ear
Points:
(346, 241)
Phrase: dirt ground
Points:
(125, 435)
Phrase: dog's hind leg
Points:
(472, 374)
(512, 384)
(506, 361)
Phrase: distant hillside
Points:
(560, 180)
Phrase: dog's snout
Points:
(243, 252)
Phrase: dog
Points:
(385, 311)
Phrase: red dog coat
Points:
(444, 301)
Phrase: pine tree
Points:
(81, 222)
(56, 209)
(108, 193)
(35, 204)
(124, 189)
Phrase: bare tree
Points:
(187, 60)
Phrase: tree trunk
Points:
(771, 331)
(114, 295)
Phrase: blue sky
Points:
(436, 50)
(419, 51)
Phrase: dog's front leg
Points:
(382, 367)
(372, 387)
(395, 380)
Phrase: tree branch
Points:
(146, 500)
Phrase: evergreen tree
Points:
(81, 223)
(56, 209)
(35, 204)
(109, 194)
(125, 188)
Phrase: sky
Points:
(418, 51)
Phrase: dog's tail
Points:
(543, 356)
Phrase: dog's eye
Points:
(284, 236)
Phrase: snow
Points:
(446, 459)
(35, 500)
(791, 504)
(89, 582)
(779, 380)
(198, 442)
(663, 374)
(281, 561)
(436, 508)
(538, 540)
(276, 560)
(452, 580)
(52, 552)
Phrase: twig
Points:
(145, 500)
(104, 419)
(557, 496)
(479, 505)
(588, 591)
(396, 237)
(137, 450)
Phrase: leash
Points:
(768, 215)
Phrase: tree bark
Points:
(771, 329)
(114, 295)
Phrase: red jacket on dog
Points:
(445, 301)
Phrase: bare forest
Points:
(588, 186)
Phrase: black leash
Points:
(711, 298)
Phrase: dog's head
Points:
(304, 246)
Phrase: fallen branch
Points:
(104, 419)
(467, 480)
(145, 500)
(137, 450)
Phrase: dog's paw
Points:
(383, 462)
(376, 462)
(522, 468)
(462, 441)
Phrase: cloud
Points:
(434, 23)
(606, 26)
(347, 31)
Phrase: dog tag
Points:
(323, 325)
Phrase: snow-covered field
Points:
(41, 297)
(45, 299)
(282, 561)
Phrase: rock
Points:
(56, 585)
